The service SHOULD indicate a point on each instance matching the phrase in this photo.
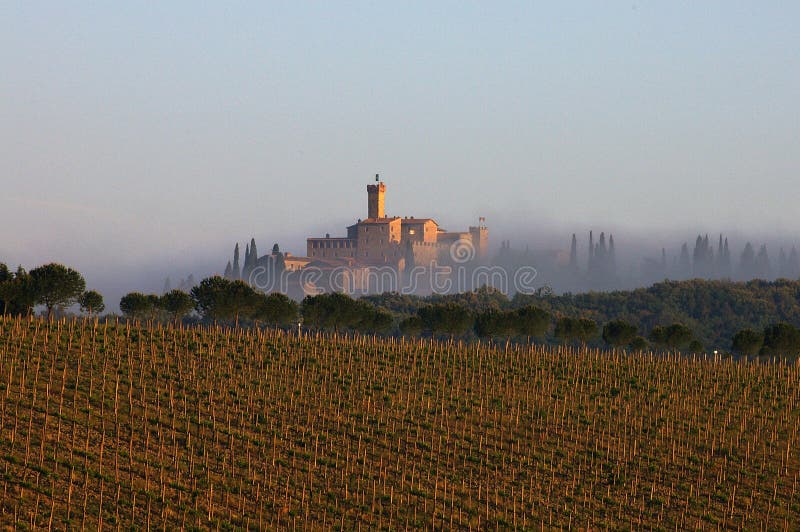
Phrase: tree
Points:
(176, 303)
(91, 302)
(412, 326)
(696, 347)
(339, 311)
(217, 298)
(6, 284)
(748, 342)
(587, 329)
(618, 333)
(566, 329)
(675, 336)
(236, 272)
(531, 321)
(17, 296)
(781, 339)
(451, 319)
(493, 323)
(136, 305)
(55, 284)
(276, 309)
(376, 321)
(638, 343)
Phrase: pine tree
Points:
(228, 271)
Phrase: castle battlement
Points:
(378, 239)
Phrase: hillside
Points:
(117, 425)
(714, 310)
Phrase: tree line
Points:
(668, 316)
(50, 285)
(753, 318)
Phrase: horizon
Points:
(144, 141)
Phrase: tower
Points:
(375, 199)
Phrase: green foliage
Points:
(91, 302)
(638, 343)
(55, 284)
(748, 342)
(450, 319)
(176, 303)
(276, 309)
(217, 298)
(494, 323)
(675, 336)
(412, 326)
(531, 321)
(376, 321)
(781, 339)
(714, 310)
(17, 296)
(139, 306)
(618, 333)
(526, 321)
(340, 312)
(696, 346)
(570, 329)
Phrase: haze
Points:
(138, 141)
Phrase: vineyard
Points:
(119, 426)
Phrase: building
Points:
(391, 240)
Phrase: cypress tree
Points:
(793, 264)
(253, 253)
(684, 263)
(246, 266)
(573, 254)
(747, 263)
(236, 273)
(763, 269)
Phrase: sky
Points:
(140, 138)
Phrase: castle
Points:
(394, 241)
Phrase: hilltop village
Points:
(379, 253)
(377, 242)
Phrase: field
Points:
(126, 427)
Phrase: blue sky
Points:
(134, 134)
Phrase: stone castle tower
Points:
(379, 240)
(375, 200)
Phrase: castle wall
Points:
(379, 241)
(330, 248)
